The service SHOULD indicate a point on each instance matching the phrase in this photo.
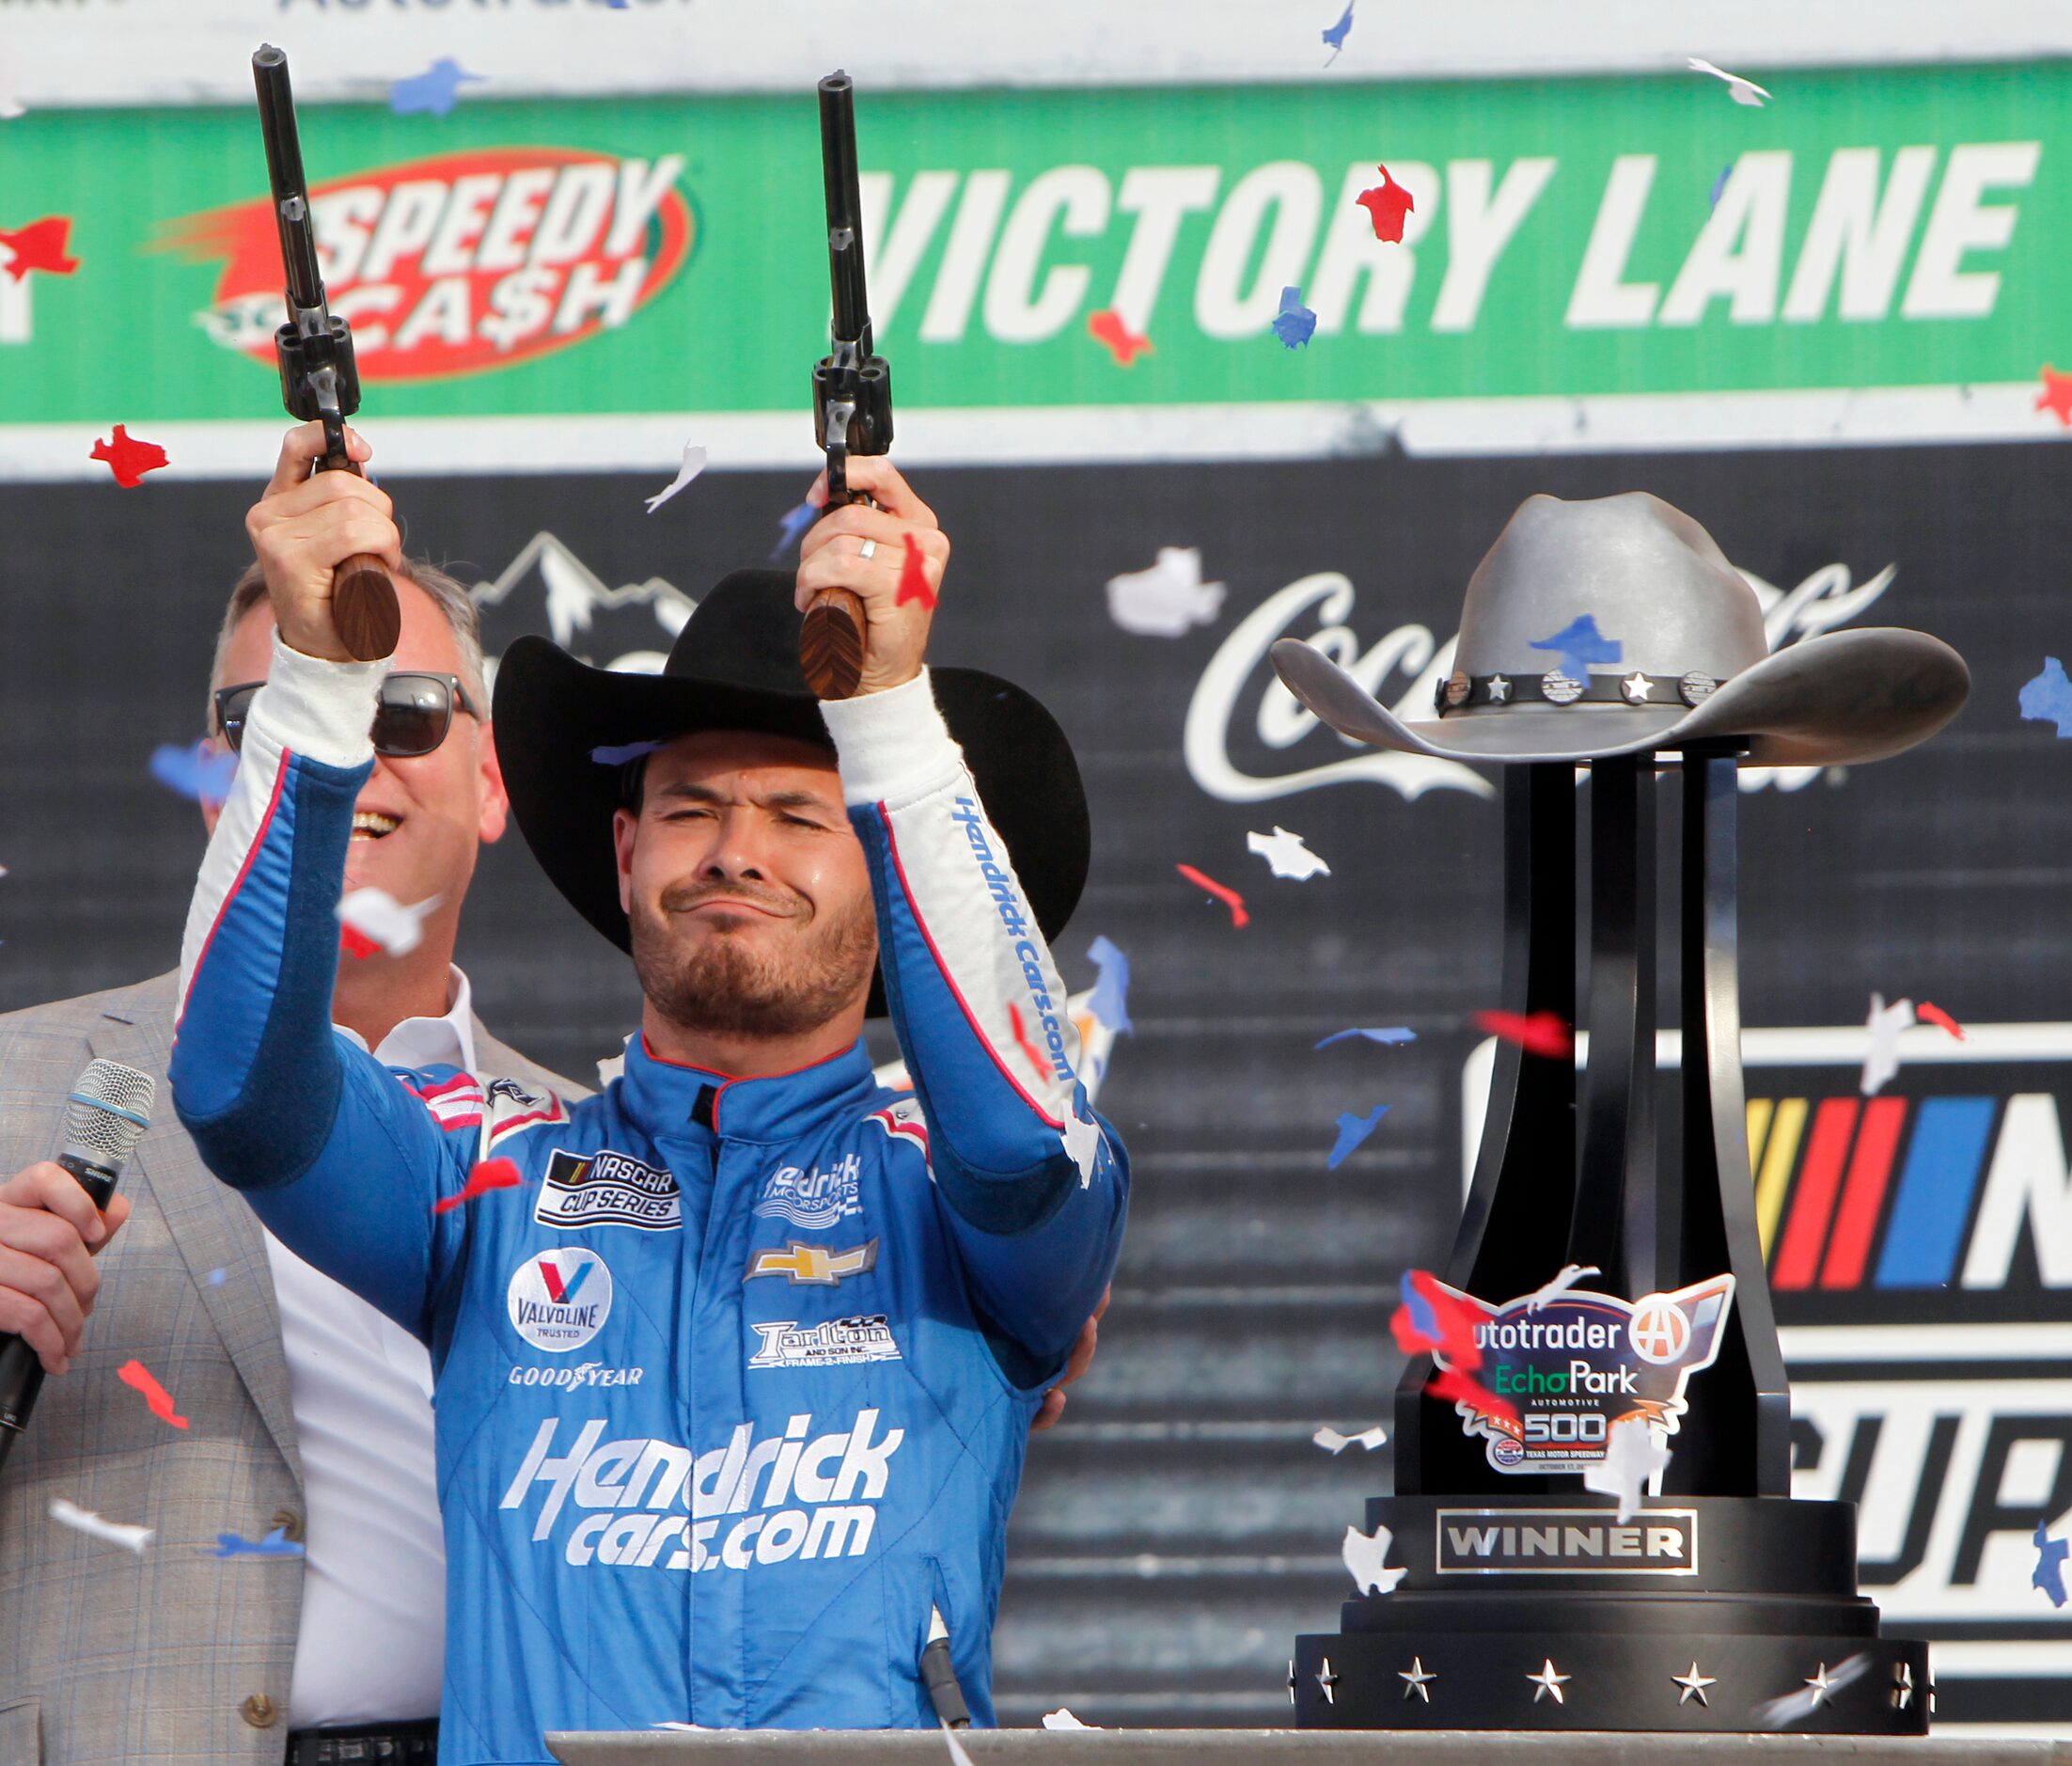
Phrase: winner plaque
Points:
(1591, 1527)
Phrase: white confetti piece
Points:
(1571, 1274)
(1741, 91)
(84, 1520)
(1083, 1141)
(693, 463)
(1285, 854)
(1167, 599)
(1883, 1023)
(1634, 1453)
(1333, 1442)
(1063, 1719)
(1364, 1554)
(1820, 1686)
(382, 921)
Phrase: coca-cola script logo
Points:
(1409, 653)
(462, 263)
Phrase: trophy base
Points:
(1731, 1614)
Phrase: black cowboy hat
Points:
(734, 665)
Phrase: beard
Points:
(721, 984)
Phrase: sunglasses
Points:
(411, 716)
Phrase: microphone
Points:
(105, 1114)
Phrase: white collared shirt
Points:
(371, 1646)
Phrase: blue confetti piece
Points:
(2048, 1574)
(1335, 38)
(1581, 644)
(1294, 323)
(1720, 184)
(608, 756)
(792, 529)
(200, 772)
(1352, 1131)
(276, 1544)
(1110, 1000)
(435, 92)
(1395, 1033)
(217, 1277)
(2047, 698)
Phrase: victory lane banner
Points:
(1885, 239)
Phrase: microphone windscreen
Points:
(109, 1108)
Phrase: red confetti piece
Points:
(1541, 1033)
(356, 943)
(1120, 340)
(1229, 896)
(2055, 398)
(39, 245)
(1927, 1011)
(913, 576)
(128, 458)
(1451, 1332)
(1022, 1041)
(161, 1401)
(492, 1174)
(1386, 204)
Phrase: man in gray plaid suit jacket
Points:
(307, 1412)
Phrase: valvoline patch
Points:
(462, 263)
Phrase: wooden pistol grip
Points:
(364, 607)
(830, 643)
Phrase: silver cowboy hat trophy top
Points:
(1616, 624)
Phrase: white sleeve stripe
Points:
(211, 902)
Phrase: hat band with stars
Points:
(1492, 691)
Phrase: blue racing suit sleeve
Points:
(339, 1159)
(1036, 1183)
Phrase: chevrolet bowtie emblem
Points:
(813, 1265)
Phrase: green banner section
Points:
(1586, 237)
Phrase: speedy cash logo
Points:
(462, 263)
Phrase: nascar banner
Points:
(1582, 263)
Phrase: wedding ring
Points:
(870, 550)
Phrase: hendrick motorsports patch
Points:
(607, 1189)
(832, 1344)
(560, 1300)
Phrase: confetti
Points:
(115, 1532)
(626, 751)
(1229, 897)
(128, 458)
(1436, 1321)
(2048, 1574)
(217, 1277)
(957, 1755)
(2047, 698)
(1741, 91)
(433, 92)
(1883, 1023)
(1334, 38)
(1294, 323)
(1394, 1034)
(375, 921)
(791, 527)
(1285, 854)
(1927, 1011)
(1536, 1033)
(693, 463)
(39, 245)
(1022, 1042)
(276, 1544)
(1120, 340)
(1110, 1001)
(1063, 1719)
(1082, 1141)
(201, 772)
(1167, 599)
(2056, 396)
(1719, 184)
(1365, 1554)
(1633, 1454)
(1386, 204)
(913, 576)
(1570, 1274)
(492, 1174)
(1334, 1443)
(1352, 1131)
(1776, 1713)
(1581, 644)
(155, 1395)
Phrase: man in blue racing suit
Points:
(736, 1362)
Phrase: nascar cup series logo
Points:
(461, 262)
(560, 1300)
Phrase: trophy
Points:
(1592, 1526)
